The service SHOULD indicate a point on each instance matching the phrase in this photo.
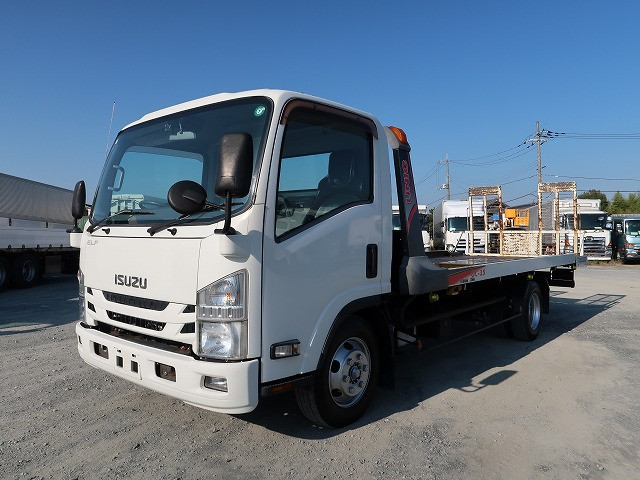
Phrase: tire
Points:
(343, 386)
(4, 273)
(622, 257)
(526, 326)
(25, 271)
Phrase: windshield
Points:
(588, 221)
(461, 224)
(147, 159)
(457, 224)
(633, 227)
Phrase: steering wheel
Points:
(284, 208)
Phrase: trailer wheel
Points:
(527, 325)
(25, 271)
(4, 273)
(343, 386)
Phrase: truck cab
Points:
(451, 226)
(214, 316)
(626, 238)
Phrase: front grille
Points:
(130, 301)
(594, 246)
(138, 322)
(143, 339)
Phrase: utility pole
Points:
(539, 140)
(446, 185)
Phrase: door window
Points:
(325, 168)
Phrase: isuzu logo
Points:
(131, 281)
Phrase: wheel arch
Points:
(374, 312)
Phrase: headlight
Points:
(81, 309)
(222, 320)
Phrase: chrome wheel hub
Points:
(349, 372)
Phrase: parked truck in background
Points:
(425, 221)
(451, 226)
(626, 237)
(273, 264)
(34, 218)
(594, 226)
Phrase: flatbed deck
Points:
(471, 268)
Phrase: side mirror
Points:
(79, 200)
(78, 205)
(234, 172)
(236, 165)
(187, 197)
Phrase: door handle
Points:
(372, 260)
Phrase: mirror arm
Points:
(227, 229)
(75, 228)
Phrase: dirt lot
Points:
(566, 406)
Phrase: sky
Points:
(464, 79)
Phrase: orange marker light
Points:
(400, 135)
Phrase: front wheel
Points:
(621, 256)
(526, 326)
(343, 385)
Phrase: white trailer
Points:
(34, 218)
(273, 264)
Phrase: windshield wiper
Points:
(207, 208)
(127, 211)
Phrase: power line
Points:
(611, 191)
(429, 173)
(531, 194)
(507, 176)
(520, 179)
(592, 136)
(506, 158)
(595, 178)
(488, 156)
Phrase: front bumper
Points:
(144, 366)
(632, 252)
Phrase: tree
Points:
(634, 203)
(619, 204)
(597, 194)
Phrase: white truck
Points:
(273, 264)
(451, 226)
(34, 218)
(594, 226)
(423, 213)
(626, 237)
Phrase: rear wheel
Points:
(4, 273)
(526, 326)
(25, 270)
(343, 385)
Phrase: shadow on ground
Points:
(421, 375)
(53, 302)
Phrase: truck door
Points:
(322, 232)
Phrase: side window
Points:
(325, 167)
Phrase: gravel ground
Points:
(565, 406)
